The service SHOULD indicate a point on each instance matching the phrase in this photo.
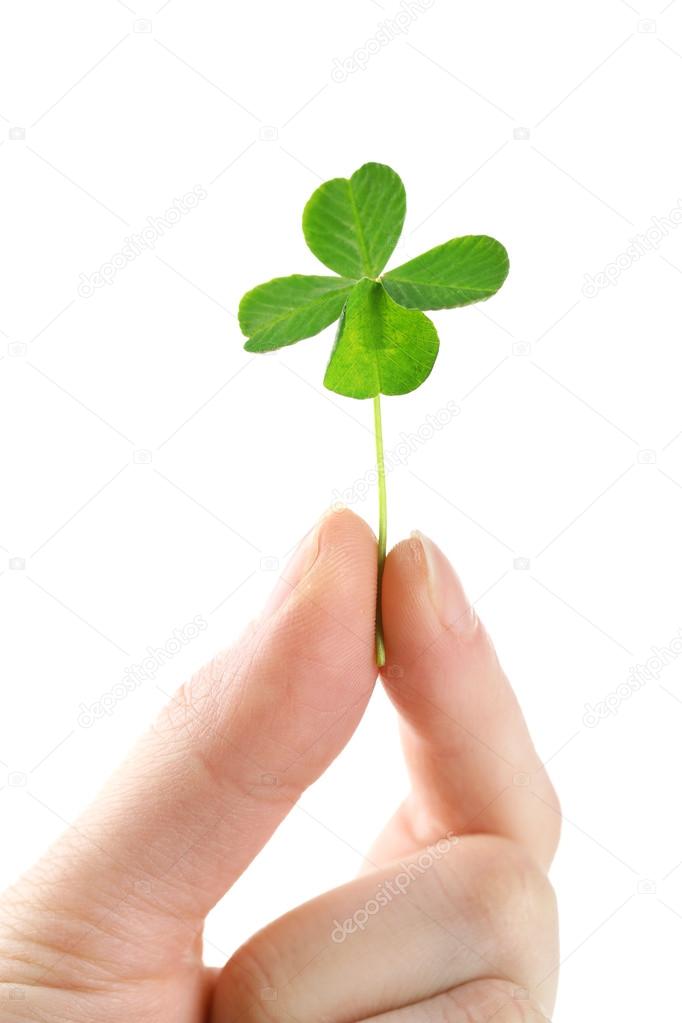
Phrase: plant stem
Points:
(381, 469)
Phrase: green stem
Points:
(381, 469)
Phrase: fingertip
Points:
(404, 562)
(465, 734)
(423, 599)
(343, 578)
(327, 615)
(348, 535)
(342, 538)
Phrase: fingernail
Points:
(297, 568)
(447, 596)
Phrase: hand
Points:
(453, 918)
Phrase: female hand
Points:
(453, 919)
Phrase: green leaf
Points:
(462, 271)
(353, 224)
(287, 309)
(380, 347)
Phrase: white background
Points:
(567, 451)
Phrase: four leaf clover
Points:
(384, 342)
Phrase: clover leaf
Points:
(288, 309)
(380, 347)
(384, 342)
(353, 224)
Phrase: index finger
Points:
(473, 765)
(229, 757)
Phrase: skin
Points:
(107, 926)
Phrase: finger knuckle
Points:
(191, 709)
(514, 891)
(514, 1010)
(514, 906)
(487, 1000)
(253, 983)
(553, 826)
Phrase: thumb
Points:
(231, 754)
(471, 759)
